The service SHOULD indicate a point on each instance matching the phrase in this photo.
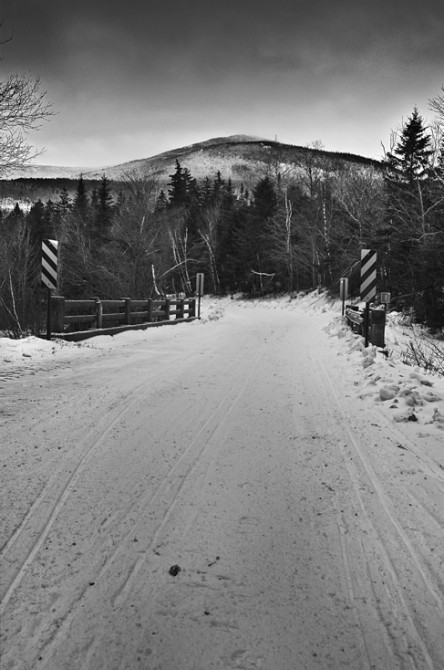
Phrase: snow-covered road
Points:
(216, 495)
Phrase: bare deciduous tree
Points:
(437, 105)
(22, 108)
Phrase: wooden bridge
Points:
(80, 319)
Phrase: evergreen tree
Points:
(49, 217)
(414, 198)
(103, 216)
(94, 200)
(218, 187)
(225, 238)
(80, 205)
(65, 203)
(206, 192)
(251, 263)
(161, 202)
(38, 228)
(193, 191)
(179, 183)
(410, 159)
(233, 248)
(62, 210)
(264, 200)
(16, 217)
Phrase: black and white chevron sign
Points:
(49, 263)
(368, 274)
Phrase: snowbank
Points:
(407, 395)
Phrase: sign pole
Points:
(48, 313)
(50, 250)
(343, 291)
(199, 290)
(368, 285)
(366, 323)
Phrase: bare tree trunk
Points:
(212, 262)
(288, 230)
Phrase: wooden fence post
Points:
(192, 308)
(58, 313)
(180, 309)
(127, 311)
(99, 312)
(150, 309)
(167, 309)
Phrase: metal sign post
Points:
(50, 250)
(343, 291)
(199, 290)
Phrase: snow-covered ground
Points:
(251, 490)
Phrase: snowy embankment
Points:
(251, 490)
(405, 393)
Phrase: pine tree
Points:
(16, 217)
(62, 210)
(251, 263)
(218, 187)
(161, 202)
(206, 192)
(49, 216)
(410, 160)
(264, 199)
(179, 182)
(225, 243)
(38, 228)
(413, 204)
(80, 205)
(94, 200)
(64, 203)
(103, 218)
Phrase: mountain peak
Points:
(242, 158)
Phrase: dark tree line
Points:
(295, 230)
(412, 236)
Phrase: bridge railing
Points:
(73, 319)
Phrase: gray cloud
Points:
(166, 68)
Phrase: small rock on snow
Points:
(388, 392)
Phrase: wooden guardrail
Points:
(377, 317)
(355, 319)
(78, 319)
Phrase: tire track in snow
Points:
(165, 496)
(60, 499)
(159, 506)
(372, 633)
(397, 599)
(58, 495)
(352, 592)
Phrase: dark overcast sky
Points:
(132, 78)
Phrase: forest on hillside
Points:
(297, 229)
(27, 190)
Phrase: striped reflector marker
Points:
(368, 274)
(49, 263)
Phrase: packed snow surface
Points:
(255, 489)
